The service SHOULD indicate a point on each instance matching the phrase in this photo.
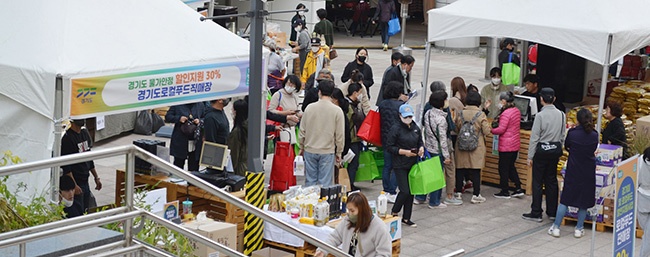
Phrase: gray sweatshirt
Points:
(549, 126)
(375, 242)
(643, 204)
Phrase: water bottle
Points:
(382, 204)
(321, 213)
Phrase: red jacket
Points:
(508, 130)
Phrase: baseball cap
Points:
(406, 110)
(315, 41)
(508, 41)
(547, 91)
(298, 22)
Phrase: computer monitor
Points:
(214, 156)
(527, 106)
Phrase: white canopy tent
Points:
(601, 31)
(112, 56)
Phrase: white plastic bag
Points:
(349, 156)
(288, 135)
(299, 166)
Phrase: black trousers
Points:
(404, 197)
(354, 164)
(192, 162)
(545, 173)
(473, 174)
(507, 170)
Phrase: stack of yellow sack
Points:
(644, 101)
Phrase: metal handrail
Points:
(129, 212)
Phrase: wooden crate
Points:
(310, 250)
(490, 174)
(216, 208)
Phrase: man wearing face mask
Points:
(215, 125)
(302, 45)
(359, 64)
(314, 61)
(400, 73)
(490, 93)
(77, 140)
(71, 207)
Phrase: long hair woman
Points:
(238, 138)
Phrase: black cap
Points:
(508, 41)
(315, 41)
(298, 22)
(547, 91)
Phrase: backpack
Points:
(467, 136)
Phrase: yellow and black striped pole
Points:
(254, 227)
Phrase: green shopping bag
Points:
(510, 72)
(367, 167)
(426, 176)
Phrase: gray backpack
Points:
(468, 136)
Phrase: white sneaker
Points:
(554, 231)
(478, 199)
(418, 202)
(440, 206)
(391, 197)
(458, 196)
(453, 201)
(578, 233)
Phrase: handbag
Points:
(189, 129)
(288, 135)
(370, 130)
(158, 122)
(393, 25)
(333, 54)
(426, 175)
(367, 167)
(511, 72)
(282, 168)
(143, 123)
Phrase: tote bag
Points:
(282, 168)
(393, 25)
(426, 175)
(511, 72)
(367, 167)
(370, 130)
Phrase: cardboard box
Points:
(603, 177)
(643, 126)
(608, 155)
(270, 252)
(281, 39)
(220, 232)
(609, 201)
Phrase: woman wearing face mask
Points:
(404, 143)
(360, 63)
(301, 46)
(71, 208)
(286, 100)
(490, 93)
(338, 98)
(238, 138)
(298, 16)
(364, 99)
(355, 115)
(506, 126)
(361, 233)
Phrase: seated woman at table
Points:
(360, 233)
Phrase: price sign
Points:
(625, 208)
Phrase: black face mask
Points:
(362, 58)
(226, 102)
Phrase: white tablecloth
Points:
(276, 234)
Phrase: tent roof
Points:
(581, 27)
(39, 39)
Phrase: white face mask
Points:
(290, 89)
(298, 29)
(496, 81)
(406, 120)
(67, 203)
(500, 105)
(315, 48)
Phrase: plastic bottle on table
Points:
(321, 213)
(382, 204)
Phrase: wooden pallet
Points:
(310, 250)
(490, 173)
(600, 226)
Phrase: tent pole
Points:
(425, 80)
(603, 85)
(58, 132)
(524, 62)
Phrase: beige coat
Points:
(473, 159)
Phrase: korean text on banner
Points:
(624, 208)
(108, 94)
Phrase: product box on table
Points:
(608, 155)
(220, 232)
(603, 177)
(270, 252)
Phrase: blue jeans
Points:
(434, 197)
(387, 175)
(562, 209)
(319, 169)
